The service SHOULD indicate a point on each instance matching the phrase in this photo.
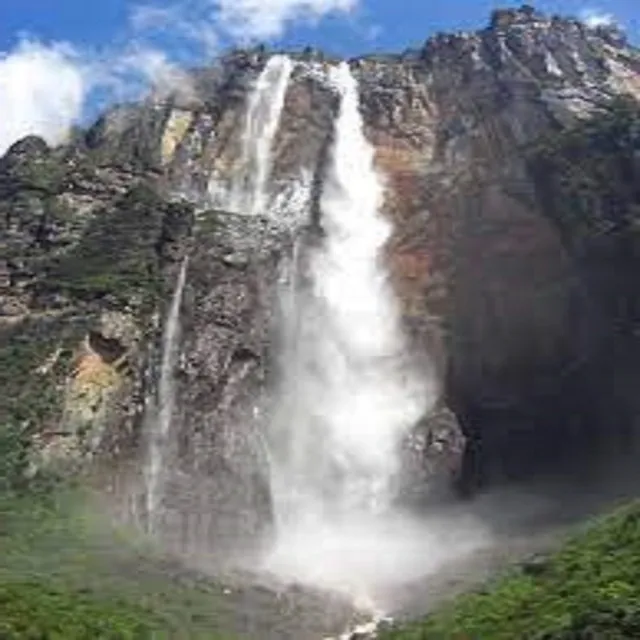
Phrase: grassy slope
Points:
(65, 576)
(588, 590)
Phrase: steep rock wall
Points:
(491, 290)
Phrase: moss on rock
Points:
(120, 253)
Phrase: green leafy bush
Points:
(14, 457)
(33, 609)
(588, 590)
(67, 573)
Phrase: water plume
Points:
(248, 190)
(349, 393)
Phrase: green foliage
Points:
(35, 600)
(209, 221)
(35, 358)
(46, 175)
(31, 166)
(590, 589)
(117, 255)
(37, 610)
(14, 457)
(68, 574)
(120, 253)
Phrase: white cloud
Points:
(186, 22)
(151, 67)
(596, 18)
(208, 21)
(263, 19)
(42, 91)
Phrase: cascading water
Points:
(266, 101)
(349, 398)
(348, 393)
(160, 425)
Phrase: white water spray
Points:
(349, 394)
(248, 190)
(160, 427)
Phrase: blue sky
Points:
(61, 61)
(374, 25)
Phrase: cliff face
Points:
(84, 249)
(492, 287)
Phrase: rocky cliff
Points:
(483, 139)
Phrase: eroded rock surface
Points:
(495, 293)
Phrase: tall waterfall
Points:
(160, 425)
(266, 101)
(348, 393)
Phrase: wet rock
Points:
(368, 630)
(228, 316)
(535, 566)
(433, 457)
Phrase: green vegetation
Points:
(35, 358)
(14, 456)
(119, 254)
(32, 167)
(36, 610)
(589, 590)
(66, 575)
(209, 221)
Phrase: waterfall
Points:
(160, 426)
(348, 399)
(348, 394)
(266, 101)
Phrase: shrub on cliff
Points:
(120, 253)
(14, 457)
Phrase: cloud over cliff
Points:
(42, 91)
(44, 88)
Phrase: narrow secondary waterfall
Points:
(160, 424)
(247, 193)
(348, 392)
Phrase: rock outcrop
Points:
(85, 252)
(496, 291)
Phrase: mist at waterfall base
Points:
(349, 394)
